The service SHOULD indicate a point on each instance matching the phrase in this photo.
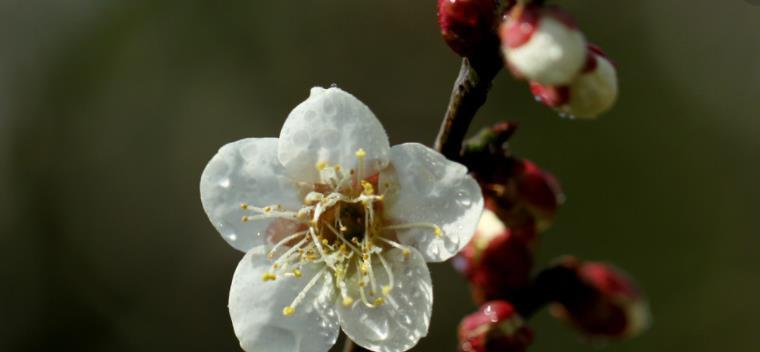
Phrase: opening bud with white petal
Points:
(498, 260)
(542, 44)
(496, 327)
(589, 95)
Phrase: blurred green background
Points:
(109, 111)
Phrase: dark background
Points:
(109, 111)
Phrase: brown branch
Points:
(468, 95)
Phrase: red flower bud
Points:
(498, 260)
(467, 24)
(590, 94)
(601, 301)
(542, 44)
(496, 327)
(520, 193)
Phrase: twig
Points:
(469, 94)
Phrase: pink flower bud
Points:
(590, 94)
(497, 260)
(602, 301)
(496, 327)
(467, 24)
(542, 44)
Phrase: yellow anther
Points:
(387, 290)
(244, 206)
(268, 277)
(361, 153)
(405, 252)
(276, 266)
(267, 209)
(325, 241)
(381, 197)
(368, 189)
(372, 292)
(363, 268)
(437, 231)
(287, 311)
(379, 301)
(337, 168)
(245, 218)
(362, 284)
(321, 165)
(347, 301)
(297, 273)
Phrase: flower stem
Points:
(468, 95)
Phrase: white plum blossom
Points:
(337, 227)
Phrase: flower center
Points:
(342, 227)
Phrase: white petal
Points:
(404, 317)
(425, 187)
(256, 309)
(331, 126)
(246, 171)
(554, 54)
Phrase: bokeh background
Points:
(109, 111)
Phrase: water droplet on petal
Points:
(232, 237)
(463, 199)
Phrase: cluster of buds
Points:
(517, 190)
(598, 299)
(521, 201)
(543, 45)
(495, 327)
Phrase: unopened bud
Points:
(498, 260)
(601, 301)
(519, 192)
(539, 192)
(496, 327)
(591, 93)
(542, 44)
(467, 24)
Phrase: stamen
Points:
(345, 241)
(386, 289)
(404, 249)
(268, 277)
(289, 310)
(287, 254)
(284, 241)
(319, 248)
(436, 229)
(361, 154)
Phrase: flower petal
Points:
(404, 317)
(246, 171)
(425, 187)
(331, 126)
(256, 308)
